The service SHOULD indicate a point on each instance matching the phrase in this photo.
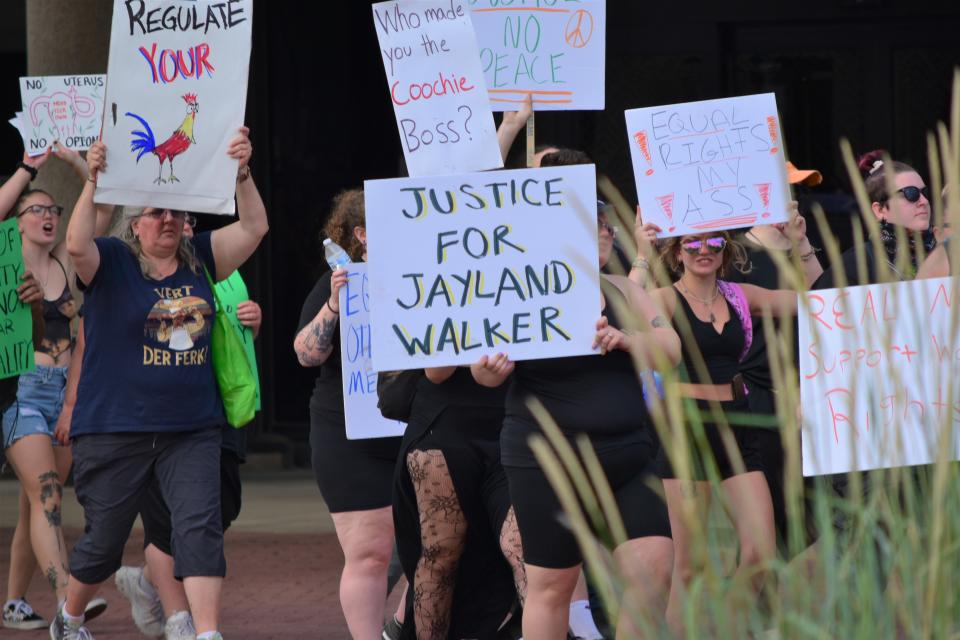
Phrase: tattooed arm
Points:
(314, 341)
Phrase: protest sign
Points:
(168, 59)
(360, 410)
(483, 263)
(711, 165)
(231, 293)
(64, 108)
(554, 50)
(430, 54)
(879, 369)
(16, 321)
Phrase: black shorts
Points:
(708, 447)
(548, 541)
(353, 475)
(156, 516)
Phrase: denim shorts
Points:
(38, 404)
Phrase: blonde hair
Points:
(734, 254)
(124, 230)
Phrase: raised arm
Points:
(83, 223)
(781, 302)
(314, 343)
(512, 124)
(644, 236)
(14, 186)
(236, 242)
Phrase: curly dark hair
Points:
(346, 213)
(734, 255)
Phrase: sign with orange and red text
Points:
(709, 166)
(553, 50)
(436, 85)
(879, 375)
(176, 96)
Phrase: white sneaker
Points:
(145, 604)
(180, 627)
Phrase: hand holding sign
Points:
(708, 166)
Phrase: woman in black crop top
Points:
(713, 316)
(29, 423)
(599, 396)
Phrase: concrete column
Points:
(66, 37)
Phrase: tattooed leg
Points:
(443, 529)
(513, 551)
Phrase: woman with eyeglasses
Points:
(904, 205)
(600, 397)
(713, 317)
(29, 422)
(148, 405)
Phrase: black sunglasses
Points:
(912, 194)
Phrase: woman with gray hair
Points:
(148, 406)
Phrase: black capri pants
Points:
(112, 472)
(156, 516)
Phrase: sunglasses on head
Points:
(912, 194)
(714, 245)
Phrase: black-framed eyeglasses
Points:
(912, 194)
(190, 220)
(715, 244)
(40, 209)
(158, 214)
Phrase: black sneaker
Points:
(17, 614)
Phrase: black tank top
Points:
(720, 351)
(599, 395)
(57, 316)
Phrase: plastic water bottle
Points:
(335, 255)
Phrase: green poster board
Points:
(16, 322)
(232, 292)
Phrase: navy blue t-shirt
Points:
(146, 366)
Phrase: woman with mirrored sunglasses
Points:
(30, 420)
(903, 206)
(712, 317)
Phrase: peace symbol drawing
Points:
(579, 29)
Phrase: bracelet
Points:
(335, 311)
(641, 263)
(31, 170)
(243, 174)
(804, 257)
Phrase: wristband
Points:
(31, 170)
(335, 311)
(641, 263)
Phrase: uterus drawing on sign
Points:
(63, 111)
(144, 141)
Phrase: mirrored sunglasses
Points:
(714, 245)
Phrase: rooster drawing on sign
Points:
(143, 142)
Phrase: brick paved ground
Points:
(282, 577)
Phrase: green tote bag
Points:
(238, 387)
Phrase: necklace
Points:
(707, 302)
